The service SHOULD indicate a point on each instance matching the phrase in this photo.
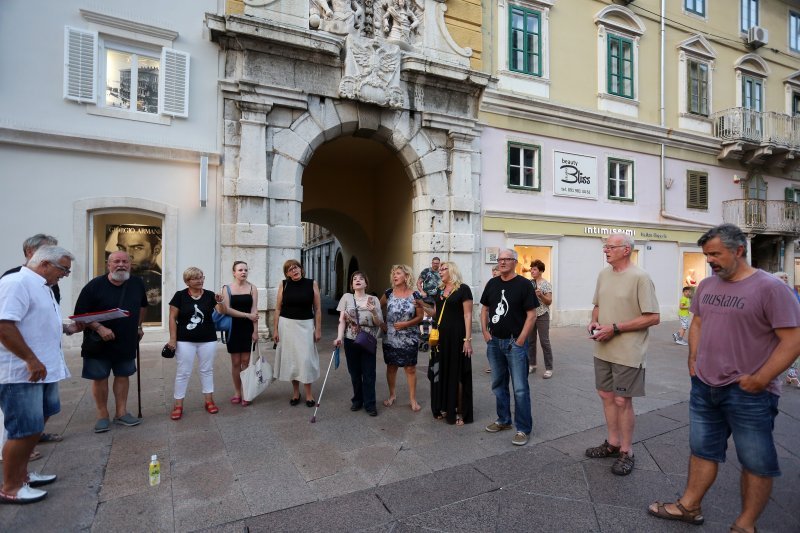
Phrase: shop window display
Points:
(141, 237)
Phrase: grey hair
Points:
(509, 250)
(729, 234)
(50, 254)
(627, 240)
(37, 241)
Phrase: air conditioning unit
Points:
(757, 36)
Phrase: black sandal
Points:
(690, 516)
(604, 450)
(311, 403)
(624, 465)
(294, 401)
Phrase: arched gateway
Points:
(298, 76)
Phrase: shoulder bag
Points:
(433, 336)
(364, 338)
(257, 376)
(223, 322)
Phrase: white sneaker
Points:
(36, 479)
(24, 495)
(682, 342)
(548, 374)
(675, 336)
(531, 369)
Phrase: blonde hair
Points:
(192, 273)
(455, 274)
(405, 269)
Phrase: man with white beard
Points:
(112, 344)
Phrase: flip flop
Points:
(34, 456)
(50, 437)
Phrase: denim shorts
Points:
(716, 413)
(101, 368)
(26, 405)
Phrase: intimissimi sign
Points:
(598, 230)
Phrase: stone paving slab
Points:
(267, 468)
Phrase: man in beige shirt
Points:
(625, 306)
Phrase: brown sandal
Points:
(690, 516)
(604, 450)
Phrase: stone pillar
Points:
(463, 209)
(788, 258)
(243, 232)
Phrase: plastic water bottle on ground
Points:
(155, 471)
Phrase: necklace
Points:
(196, 297)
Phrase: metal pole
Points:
(139, 379)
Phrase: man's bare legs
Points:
(15, 462)
(620, 419)
(100, 393)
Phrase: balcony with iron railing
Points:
(758, 138)
(763, 216)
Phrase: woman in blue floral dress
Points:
(401, 339)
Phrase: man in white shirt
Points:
(31, 365)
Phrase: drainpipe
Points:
(662, 113)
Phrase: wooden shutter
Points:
(788, 194)
(80, 65)
(173, 84)
(697, 190)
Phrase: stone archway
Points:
(281, 102)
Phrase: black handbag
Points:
(167, 352)
(93, 344)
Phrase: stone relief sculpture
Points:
(399, 22)
(372, 72)
(340, 17)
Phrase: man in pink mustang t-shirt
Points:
(745, 333)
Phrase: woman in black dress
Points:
(451, 387)
(240, 301)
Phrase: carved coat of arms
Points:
(372, 72)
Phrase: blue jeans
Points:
(505, 358)
(717, 412)
(361, 366)
(26, 406)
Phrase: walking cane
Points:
(334, 356)
(139, 379)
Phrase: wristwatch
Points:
(616, 329)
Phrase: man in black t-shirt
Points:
(120, 337)
(508, 313)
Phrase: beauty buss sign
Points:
(574, 175)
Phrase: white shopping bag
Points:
(257, 376)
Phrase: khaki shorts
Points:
(625, 381)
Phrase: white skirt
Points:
(296, 357)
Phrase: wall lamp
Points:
(203, 180)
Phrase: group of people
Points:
(744, 333)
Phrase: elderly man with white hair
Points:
(625, 306)
(31, 365)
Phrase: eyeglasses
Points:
(504, 259)
(201, 278)
(607, 247)
(62, 268)
(293, 267)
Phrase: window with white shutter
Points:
(174, 83)
(145, 80)
(80, 65)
